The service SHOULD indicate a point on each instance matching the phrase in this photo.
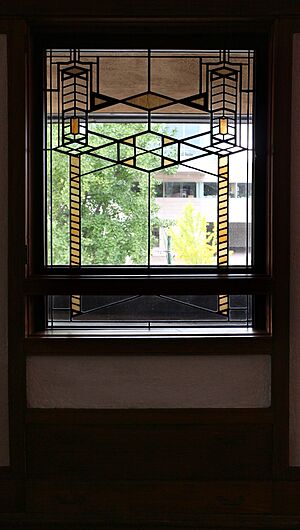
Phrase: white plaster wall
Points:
(149, 382)
(295, 264)
(4, 444)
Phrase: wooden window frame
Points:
(40, 282)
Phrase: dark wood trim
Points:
(281, 241)
(217, 522)
(147, 416)
(5, 26)
(4, 472)
(212, 284)
(286, 497)
(125, 501)
(135, 32)
(16, 239)
(167, 8)
(11, 494)
(48, 345)
(213, 522)
(11, 488)
(282, 366)
(293, 474)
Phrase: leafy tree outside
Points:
(190, 240)
(114, 201)
(114, 208)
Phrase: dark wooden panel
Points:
(281, 242)
(286, 497)
(166, 8)
(147, 416)
(17, 118)
(150, 452)
(135, 501)
(64, 521)
(11, 495)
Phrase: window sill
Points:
(77, 342)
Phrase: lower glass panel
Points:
(149, 311)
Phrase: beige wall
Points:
(149, 382)
(4, 449)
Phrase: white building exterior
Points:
(199, 188)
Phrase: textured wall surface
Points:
(142, 382)
(295, 261)
(4, 449)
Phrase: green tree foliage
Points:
(114, 200)
(191, 242)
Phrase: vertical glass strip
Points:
(75, 218)
(75, 225)
(223, 196)
(223, 224)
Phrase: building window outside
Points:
(210, 189)
(242, 190)
(181, 189)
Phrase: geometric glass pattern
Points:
(149, 312)
(120, 123)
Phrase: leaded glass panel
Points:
(120, 125)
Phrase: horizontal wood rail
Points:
(147, 416)
(48, 343)
(147, 284)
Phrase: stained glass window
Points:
(144, 152)
(179, 313)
